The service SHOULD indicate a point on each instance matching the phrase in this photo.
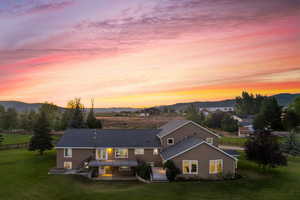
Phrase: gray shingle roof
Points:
(180, 147)
(109, 138)
(171, 125)
(231, 152)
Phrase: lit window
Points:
(215, 166)
(68, 152)
(139, 151)
(155, 151)
(190, 166)
(210, 140)
(170, 141)
(121, 153)
(101, 154)
(68, 165)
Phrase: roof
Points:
(91, 138)
(231, 152)
(129, 163)
(176, 124)
(190, 143)
(180, 147)
(170, 126)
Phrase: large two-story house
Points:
(193, 149)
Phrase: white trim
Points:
(137, 153)
(190, 166)
(170, 143)
(171, 131)
(198, 145)
(70, 164)
(120, 157)
(71, 152)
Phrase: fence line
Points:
(24, 145)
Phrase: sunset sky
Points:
(141, 53)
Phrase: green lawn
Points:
(232, 141)
(23, 175)
(15, 138)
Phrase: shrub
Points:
(143, 170)
(171, 170)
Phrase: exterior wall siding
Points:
(204, 153)
(78, 155)
(188, 130)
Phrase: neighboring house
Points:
(245, 126)
(214, 109)
(193, 149)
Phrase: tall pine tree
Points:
(41, 139)
(77, 110)
(92, 121)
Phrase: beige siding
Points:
(188, 130)
(203, 153)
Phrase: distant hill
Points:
(20, 106)
(283, 99)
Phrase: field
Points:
(24, 176)
(15, 138)
(232, 141)
(134, 122)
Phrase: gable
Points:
(202, 149)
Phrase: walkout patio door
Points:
(102, 154)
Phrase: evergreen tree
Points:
(290, 120)
(248, 104)
(41, 139)
(264, 149)
(2, 112)
(92, 121)
(269, 116)
(10, 119)
(291, 145)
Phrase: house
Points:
(116, 153)
(214, 109)
(245, 126)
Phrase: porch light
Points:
(109, 150)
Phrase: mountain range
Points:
(283, 99)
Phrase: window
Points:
(190, 166)
(101, 154)
(86, 165)
(215, 166)
(139, 151)
(121, 153)
(155, 151)
(68, 153)
(210, 140)
(68, 165)
(170, 141)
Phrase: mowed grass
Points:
(23, 176)
(232, 141)
(15, 138)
